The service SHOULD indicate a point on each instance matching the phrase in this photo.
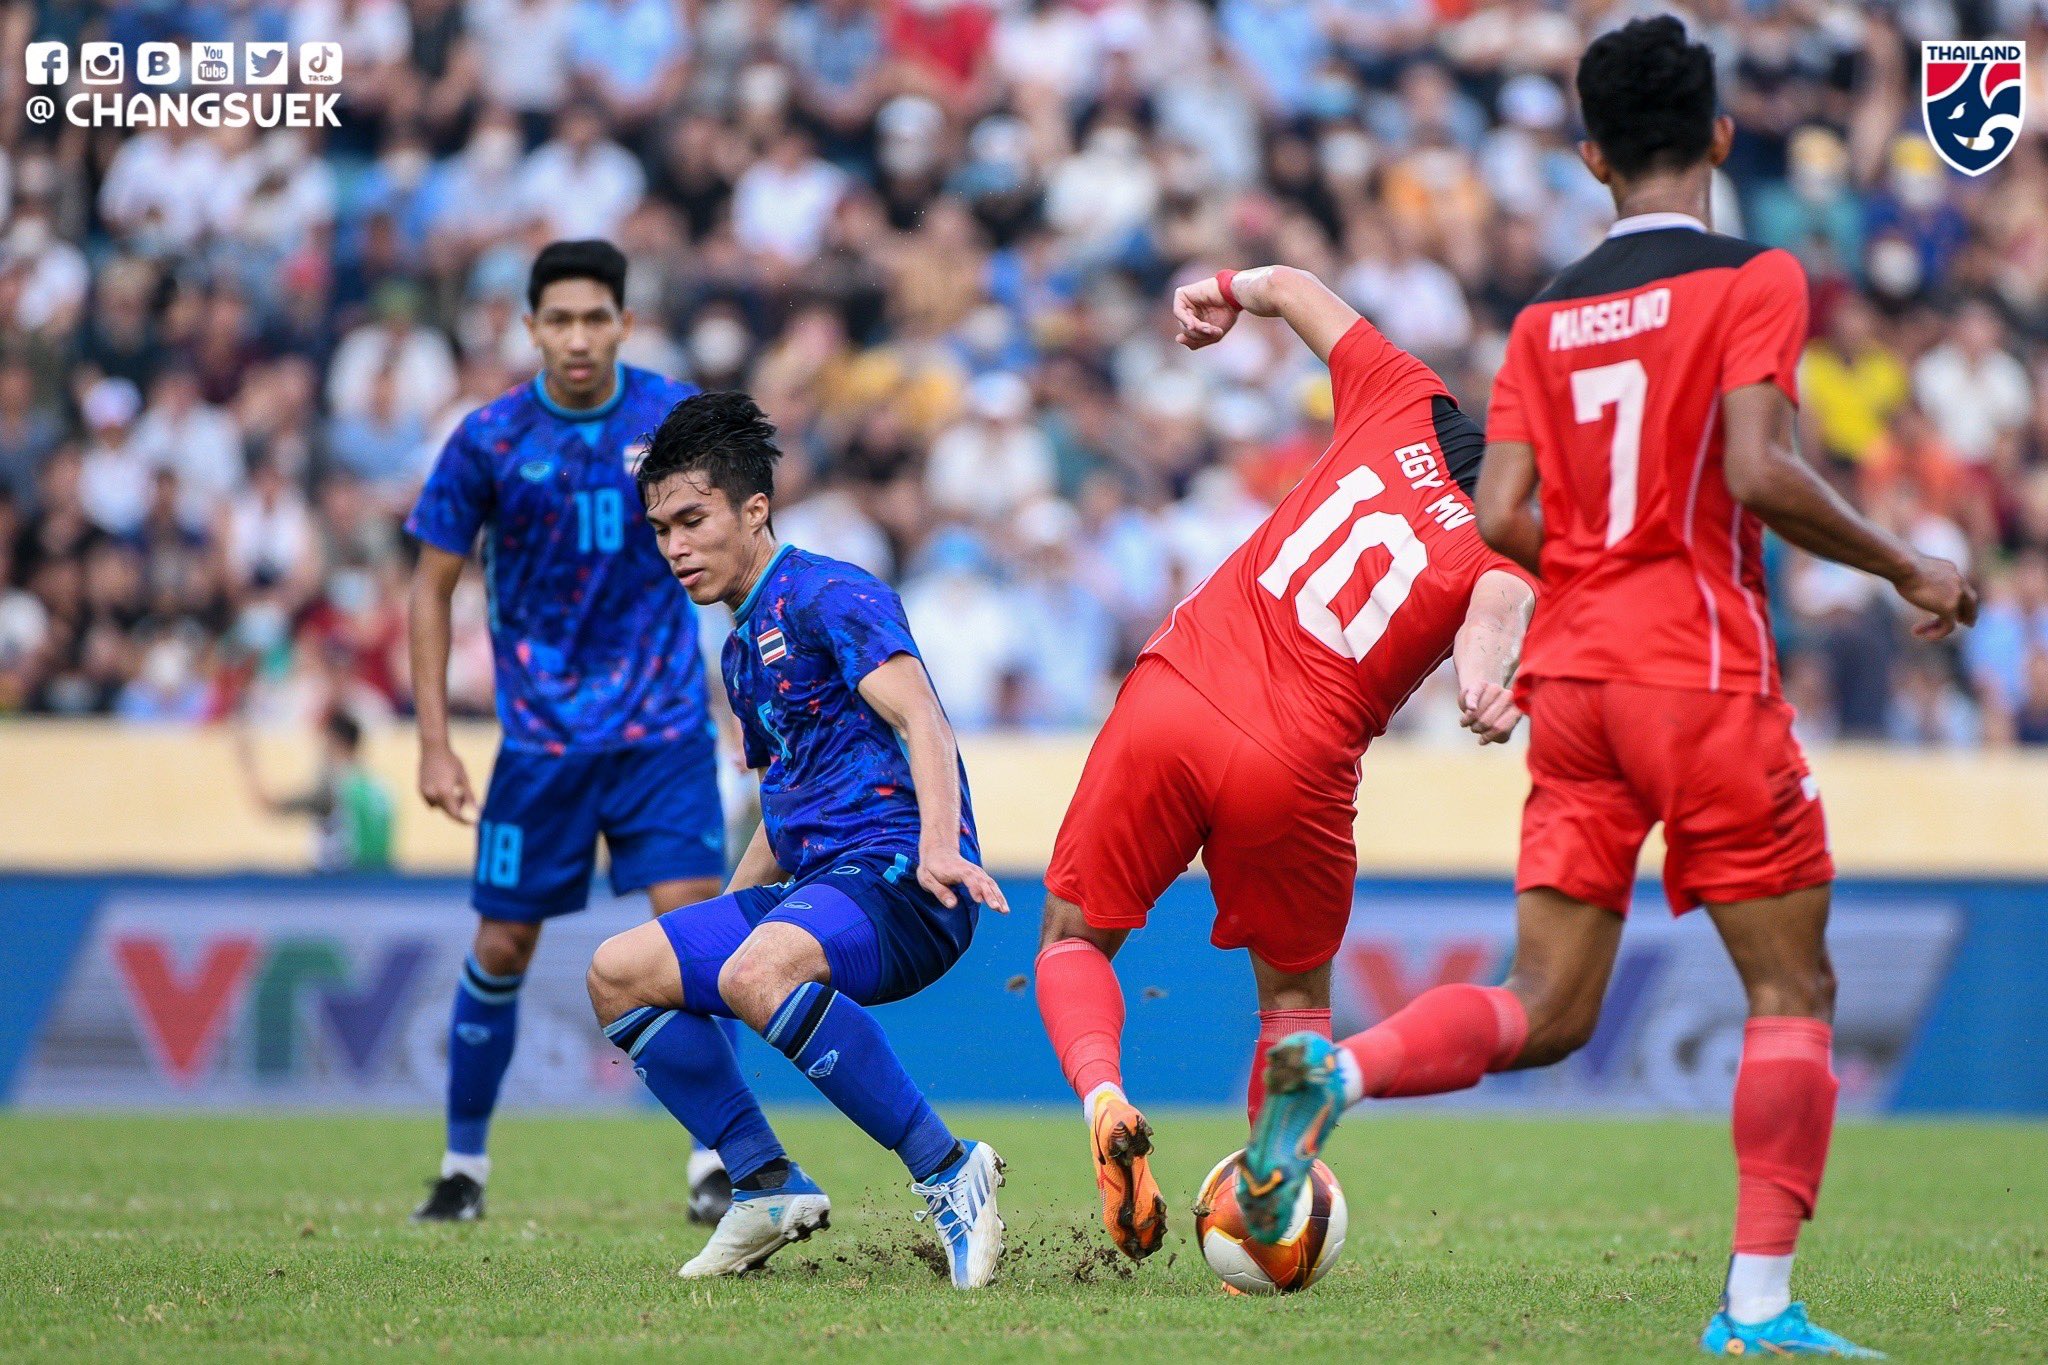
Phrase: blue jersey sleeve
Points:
(860, 622)
(457, 498)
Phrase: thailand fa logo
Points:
(1972, 97)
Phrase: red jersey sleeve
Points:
(1506, 419)
(1367, 372)
(1766, 324)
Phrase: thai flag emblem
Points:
(773, 646)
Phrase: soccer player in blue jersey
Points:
(860, 886)
(600, 684)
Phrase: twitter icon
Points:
(264, 63)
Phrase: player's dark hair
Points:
(341, 727)
(1646, 92)
(587, 259)
(723, 436)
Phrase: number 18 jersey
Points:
(1315, 630)
(1652, 572)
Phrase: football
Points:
(1313, 1241)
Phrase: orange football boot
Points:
(1132, 1209)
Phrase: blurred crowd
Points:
(935, 238)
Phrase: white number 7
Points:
(1623, 384)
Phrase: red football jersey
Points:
(1652, 572)
(1314, 631)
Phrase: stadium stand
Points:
(935, 238)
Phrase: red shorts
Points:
(1170, 775)
(1742, 819)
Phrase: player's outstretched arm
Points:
(902, 696)
(1488, 647)
(1506, 503)
(1766, 474)
(1296, 297)
(444, 782)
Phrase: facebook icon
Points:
(48, 63)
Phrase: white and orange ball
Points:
(1312, 1243)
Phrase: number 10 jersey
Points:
(1314, 631)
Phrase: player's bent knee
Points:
(505, 947)
(1803, 994)
(1061, 919)
(774, 960)
(1556, 1036)
(614, 977)
(1064, 920)
(753, 982)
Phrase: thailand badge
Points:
(1972, 98)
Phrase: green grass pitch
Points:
(1471, 1239)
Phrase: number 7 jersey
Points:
(1614, 374)
(1315, 630)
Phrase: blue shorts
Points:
(885, 937)
(655, 804)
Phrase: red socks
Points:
(1083, 1009)
(1273, 1026)
(1784, 1115)
(1444, 1039)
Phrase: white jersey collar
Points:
(1655, 222)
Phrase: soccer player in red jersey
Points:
(1239, 733)
(1649, 392)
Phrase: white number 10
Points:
(1623, 384)
(1355, 638)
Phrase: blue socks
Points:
(843, 1050)
(687, 1061)
(732, 1029)
(480, 1041)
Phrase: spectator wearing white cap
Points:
(113, 483)
(993, 462)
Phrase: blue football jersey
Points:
(837, 780)
(595, 641)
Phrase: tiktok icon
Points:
(319, 63)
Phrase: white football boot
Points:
(761, 1223)
(961, 1202)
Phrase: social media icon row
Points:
(164, 63)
